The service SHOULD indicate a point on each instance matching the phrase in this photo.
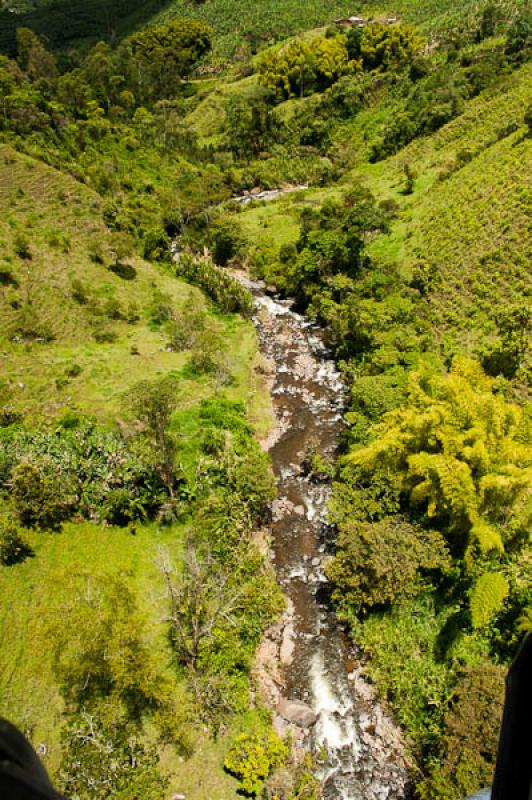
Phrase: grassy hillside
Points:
(75, 334)
(466, 218)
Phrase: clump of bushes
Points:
(226, 292)
(48, 476)
(38, 497)
(253, 757)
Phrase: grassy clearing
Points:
(207, 119)
(28, 692)
(29, 695)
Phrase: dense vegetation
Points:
(130, 478)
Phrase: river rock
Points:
(286, 652)
(297, 712)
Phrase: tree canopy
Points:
(170, 51)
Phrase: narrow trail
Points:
(321, 695)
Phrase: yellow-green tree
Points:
(463, 458)
(463, 454)
(301, 68)
(385, 46)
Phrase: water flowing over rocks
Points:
(306, 669)
(256, 195)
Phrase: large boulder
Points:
(297, 712)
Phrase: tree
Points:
(509, 353)
(100, 654)
(249, 123)
(209, 352)
(201, 598)
(488, 21)
(253, 757)
(103, 759)
(168, 52)
(379, 563)
(153, 403)
(34, 59)
(462, 456)
(519, 41)
(227, 240)
(488, 594)
(74, 92)
(38, 497)
(385, 47)
(471, 734)
(354, 42)
(301, 68)
(458, 449)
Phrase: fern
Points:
(487, 596)
(524, 623)
(487, 537)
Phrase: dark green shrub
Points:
(226, 240)
(13, 547)
(156, 244)
(79, 292)
(70, 420)
(471, 735)
(113, 309)
(74, 371)
(125, 271)
(37, 498)
(22, 247)
(104, 335)
(7, 278)
(118, 508)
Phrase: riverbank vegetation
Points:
(130, 478)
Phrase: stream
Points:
(320, 694)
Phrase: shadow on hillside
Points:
(66, 22)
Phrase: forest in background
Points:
(408, 248)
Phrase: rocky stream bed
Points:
(306, 668)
